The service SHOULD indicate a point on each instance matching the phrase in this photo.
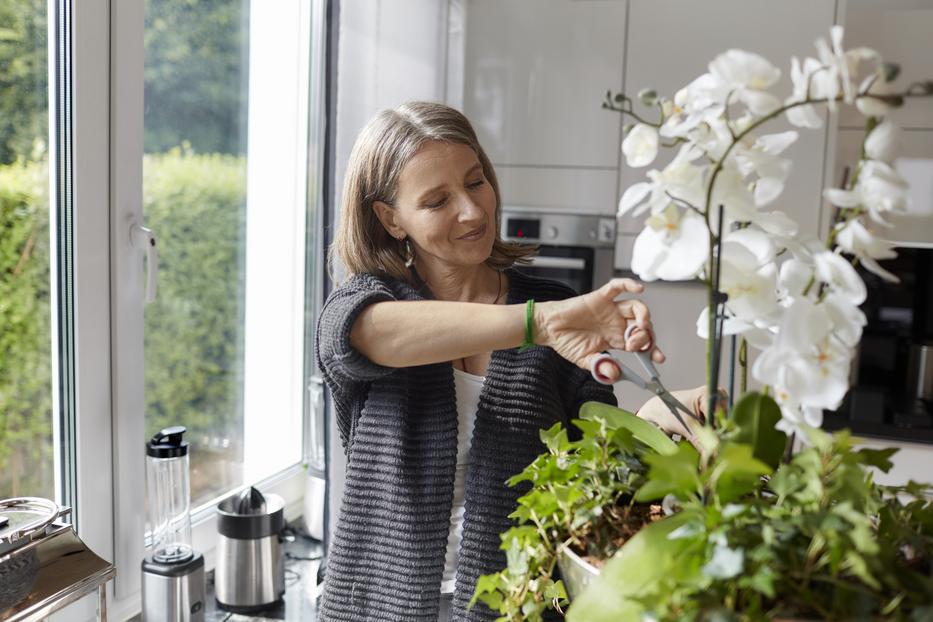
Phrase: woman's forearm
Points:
(405, 334)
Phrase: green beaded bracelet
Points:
(529, 326)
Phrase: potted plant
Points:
(739, 526)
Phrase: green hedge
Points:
(193, 342)
(195, 204)
(25, 338)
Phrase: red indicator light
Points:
(520, 233)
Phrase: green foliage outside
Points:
(25, 348)
(24, 116)
(750, 536)
(196, 78)
(194, 341)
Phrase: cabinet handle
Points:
(563, 263)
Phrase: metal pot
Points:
(576, 572)
(23, 520)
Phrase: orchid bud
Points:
(890, 71)
(649, 97)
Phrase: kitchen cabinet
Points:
(534, 74)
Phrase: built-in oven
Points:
(576, 249)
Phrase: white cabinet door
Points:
(535, 74)
(671, 42)
(902, 31)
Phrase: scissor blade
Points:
(645, 359)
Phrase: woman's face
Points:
(444, 205)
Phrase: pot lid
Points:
(25, 518)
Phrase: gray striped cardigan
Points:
(399, 429)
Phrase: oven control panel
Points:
(561, 229)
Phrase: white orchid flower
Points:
(714, 136)
(842, 278)
(762, 160)
(879, 189)
(796, 419)
(807, 82)
(840, 67)
(794, 278)
(699, 102)
(874, 84)
(673, 247)
(781, 226)
(747, 76)
(883, 142)
(806, 361)
(848, 320)
(855, 238)
(680, 179)
(757, 337)
(734, 193)
(749, 276)
(640, 145)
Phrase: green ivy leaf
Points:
(736, 472)
(615, 418)
(878, 458)
(756, 415)
(675, 474)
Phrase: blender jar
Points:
(169, 496)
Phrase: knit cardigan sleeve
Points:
(346, 371)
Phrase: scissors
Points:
(652, 384)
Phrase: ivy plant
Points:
(747, 534)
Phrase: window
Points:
(27, 444)
(216, 163)
(225, 155)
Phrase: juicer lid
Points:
(168, 443)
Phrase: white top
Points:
(467, 387)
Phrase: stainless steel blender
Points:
(173, 574)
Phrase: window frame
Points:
(107, 142)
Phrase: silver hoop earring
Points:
(410, 252)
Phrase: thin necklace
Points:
(495, 302)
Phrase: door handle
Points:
(143, 239)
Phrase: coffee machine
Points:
(173, 574)
(892, 393)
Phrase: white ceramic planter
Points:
(576, 572)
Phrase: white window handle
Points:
(142, 238)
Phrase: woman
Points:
(437, 406)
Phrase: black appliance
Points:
(892, 393)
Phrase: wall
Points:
(390, 52)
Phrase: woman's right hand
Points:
(581, 328)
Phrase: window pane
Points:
(211, 359)
(26, 443)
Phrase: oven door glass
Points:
(571, 265)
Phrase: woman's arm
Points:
(404, 334)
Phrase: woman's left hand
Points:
(657, 412)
